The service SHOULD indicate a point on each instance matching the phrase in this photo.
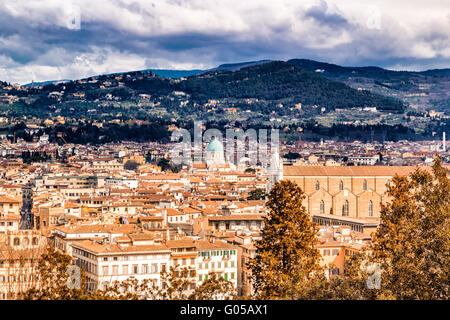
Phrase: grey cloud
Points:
(321, 15)
(47, 44)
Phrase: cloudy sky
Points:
(64, 39)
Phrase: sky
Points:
(66, 39)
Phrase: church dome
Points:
(215, 146)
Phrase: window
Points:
(345, 208)
(16, 241)
(163, 267)
(145, 268)
(335, 252)
(105, 270)
(154, 268)
(199, 277)
(125, 269)
(341, 185)
(370, 208)
(115, 270)
(135, 269)
(322, 207)
(317, 185)
(365, 185)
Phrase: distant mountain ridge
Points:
(428, 89)
(368, 71)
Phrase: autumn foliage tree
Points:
(287, 259)
(53, 279)
(214, 288)
(412, 243)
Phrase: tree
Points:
(176, 284)
(351, 285)
(286, 257)
(131, 165)
(257, 194)
(53, 279)
(412, 243)
(214, 288)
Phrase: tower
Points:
(275, 170)
(26, 216)
(444, 146)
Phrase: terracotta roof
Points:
(4, 199)
(292, 171)
(117, 249)
(236, 217)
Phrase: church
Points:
(215, 157)
(346, 195)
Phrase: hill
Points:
(425, 89)
(279, 80)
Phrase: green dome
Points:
(215, 146)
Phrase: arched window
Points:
(365, 185)
(16, 241)
(317, 185)
(341, 185)
(322, 207)
(345, 208)
(370, 208)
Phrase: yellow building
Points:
(346, 195)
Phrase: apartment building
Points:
(19, 255)
(106, 263)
